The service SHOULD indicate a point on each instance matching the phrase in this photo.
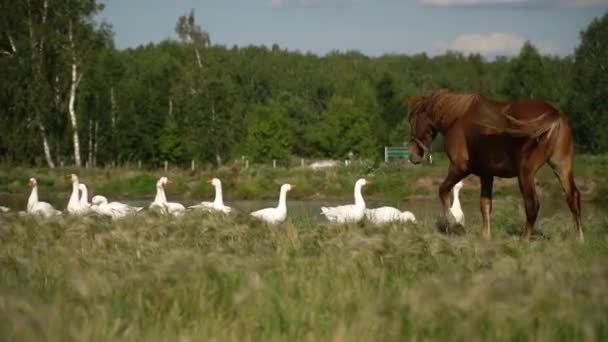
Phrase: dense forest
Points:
(69, 96)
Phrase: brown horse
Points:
(489, 138)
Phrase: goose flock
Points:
(78, 204)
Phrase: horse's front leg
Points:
(455, 175)
(485, 203)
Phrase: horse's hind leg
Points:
(531, 204)
(563, 170)
(561, 161)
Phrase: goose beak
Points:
(68, 176)
(367, 181)
(210, 181)
(293, 186)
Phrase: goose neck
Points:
(219, 199)
(33, 199)
(160, 195)
(456, 201)
(358, 196)
(282, 199)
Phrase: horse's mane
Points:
(443, 105)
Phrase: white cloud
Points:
(514, 3)
(491, 44)
(309, 3)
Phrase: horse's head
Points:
(422, 129)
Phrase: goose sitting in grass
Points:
(348, 213)
(456, 209)
(4, 209)
(278, 214)
(160, 201)
(384, 215)
(114, 210)
(75, 206)
(84, 196)
(36, 207)
(218, 202)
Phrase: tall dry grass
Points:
(207, 277)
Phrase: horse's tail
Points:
(502, 122)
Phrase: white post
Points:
(274, 163)
(385, 154)
(139, 164)
(301, 162)
(246, 163)
(166, 166)
(192, 166)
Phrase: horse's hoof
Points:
(449, 228)
(456, 229)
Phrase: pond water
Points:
(424, 209)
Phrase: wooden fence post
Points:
(192, 165)
(274, 163)
(166, 166)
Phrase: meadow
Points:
(395, 181)
(208, 277)
(231, 278)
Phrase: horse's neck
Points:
(358, 197)
(219, 199)
(160, 195)
(33, 197)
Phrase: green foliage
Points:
(588, 108)
(527, 77)
(269, 134)
(334, 104)
(169, 144)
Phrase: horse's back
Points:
(530, 109)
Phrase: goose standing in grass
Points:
(75, 206)
(160, 201)
(218, 202)
(36, 207)
(114, 210)
(278, 214)
(456, 209)
(348, 213)
(4, 209)
(384, 215)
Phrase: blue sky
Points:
(374, 27)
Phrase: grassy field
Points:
(393, 182)
(206, 277)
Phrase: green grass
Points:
(205, 277)
(394, 181)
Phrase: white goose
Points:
(36, 207)
(456, 209)
(384, 215)
(160, 201)
(278, 214)
(348, 213)
(218, 203)
(4, 209)
(114, 210)
(75, 206)
(84, 196)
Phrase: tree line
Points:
(69, 96)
